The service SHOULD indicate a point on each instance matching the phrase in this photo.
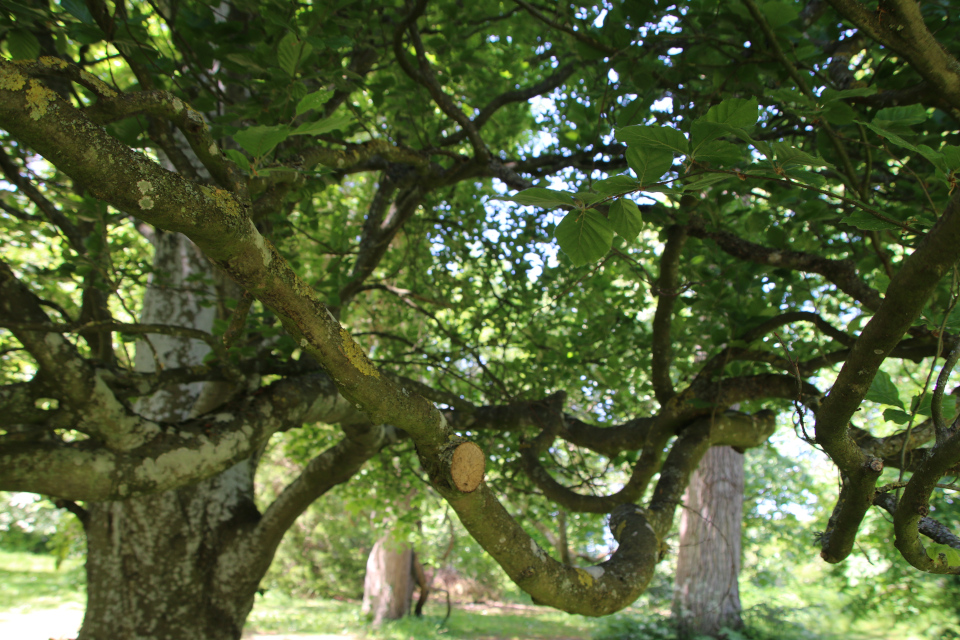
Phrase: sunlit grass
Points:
(278, 613)
(29, 581)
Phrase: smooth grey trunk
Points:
(388, 584)
(706, 593)
(173, 566)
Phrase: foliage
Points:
(29, 523)
(594, 240)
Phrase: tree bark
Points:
(388, 585)
(167, 566)
(706, 594)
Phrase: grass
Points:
(278, 613)
(29, 581)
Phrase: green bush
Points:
(31, 523)
(629, 626)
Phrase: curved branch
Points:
(518, 95)
(61, 366)
(667, 291)
(728, 428)
(425, 76)
(334, 466)
(905, 298)
(842, 273)
(929, 527)
(170, 456)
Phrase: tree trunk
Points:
(168, 566)
(706, 594)
(388, 585)
(158, 567)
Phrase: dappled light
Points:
(490, 319)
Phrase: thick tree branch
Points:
(929, 527)
(900, 26)
(170, 456)
(905, 298)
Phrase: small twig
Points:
(798, 402)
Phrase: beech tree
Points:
(568, 237)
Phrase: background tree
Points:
(795, 164)
(706, 593)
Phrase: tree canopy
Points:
(593, 240)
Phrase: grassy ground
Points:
(276, 613)
(29, 582)
(38, 602)
(34, 593)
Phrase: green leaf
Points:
(649, 163)
(654, 137)
(829, 95)
(703, 181)
(540, 197)
(788, 155)
(259, 141)
(245, 62)
(586, 198)
(291, 51)
(313, 100)
(22, 45)
(585, 236)
(925, 406)
(806, 177)
(240, 159)
(787, 96)
(780, 13)
(883, 390)
(840, 113)
(78, 10)
(866, 221)
(626, 218)
(889, 135)
(896, 416)
(951, 154)
(616, 185)
(741, 113)
(336, 121)
(719, 153)
(901, 116)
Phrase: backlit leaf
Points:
(626, 218)
(649, 163)
(585, 236)
(540, 197)
(259, 141)
(313, 100)
(883, 390)
(655, 137)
